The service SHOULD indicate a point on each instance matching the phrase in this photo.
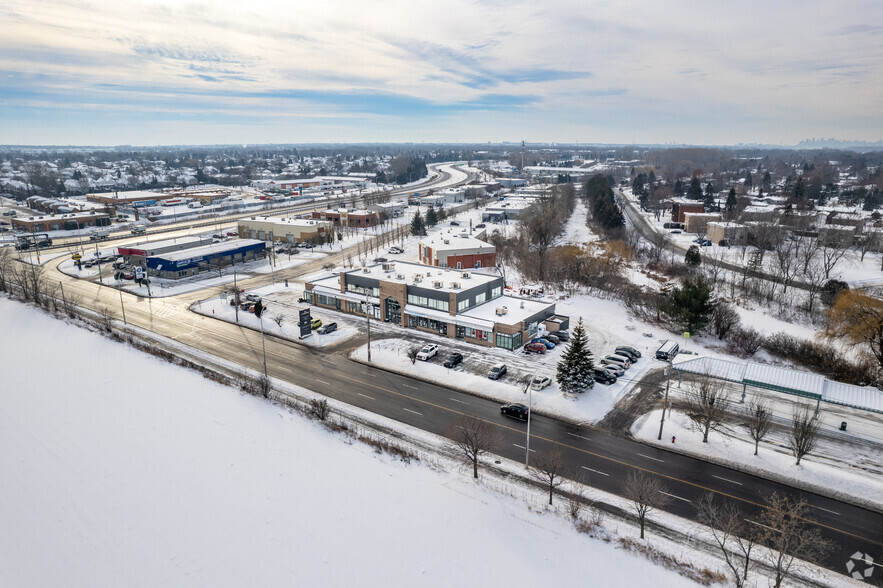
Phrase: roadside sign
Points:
(686, 334)
(76, 257)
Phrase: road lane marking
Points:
(322, 382)
(411, 387)
(414, 411)
(762, 525)
(460, 401)
(726, 480)
(602, 456)
(370, 374)
(673, 496)
(522, 447)
(653, 458)
(365, 396)
(580, 436)
(596, 471)
(825, 509)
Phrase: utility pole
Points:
(236, 295)
(63, 301)
(529, 391)
(123, 307)
(263, 348)
(665, 402)
(368, 316)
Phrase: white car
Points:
(396, 250)
(427, 352)
(540, 382)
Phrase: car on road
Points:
(315, 323)
(327, 328)
(604, 377)
(516, 411)
(453, 359)
(428, 352)
(396, 250)
(540, 382)
(497, 371)
(629, 351)
(534, 348)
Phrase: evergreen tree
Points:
(431, 217)
(692, 257)
(694, 192)
(418, 227)
(731, 200)
(691, 305)
(576, 369)
(748, 181)
(679, 188)
(709, 195)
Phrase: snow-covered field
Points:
(122, 470)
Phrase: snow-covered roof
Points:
(211, 249)
(517, 309)
(789, 381)
(456, 242)
(403, 272)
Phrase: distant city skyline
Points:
(160, 73)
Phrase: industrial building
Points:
(190, 262)
(735, 233)
(697, 222)
(458, 304)
(680, 207)
(283, 229)
(138, 253)
(348, 218)
(61, 222)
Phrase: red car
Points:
(535, 348)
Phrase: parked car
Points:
(533, 347)
(497, 371)
(247, 305)
(232, 234)
(128, 276)
(396, 250)
(252, 297)
(428, 351)
(380, 260)
(724, 242)
(613, 369)
(675, 232)
(705, 243)
(563, 335)
(626, 354)
(455, 224)
(619, 360)
(546, 342)
(480, 226)
(453, 359)
(629, 349)
(604, 377)
(315, 323)
(540, 382)
(516, 411)
(327, 328)
(553, 338)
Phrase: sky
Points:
(197, 72)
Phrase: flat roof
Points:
(221, 247)
(517, 309)
(151, 245)
(429, 275)
(455, 242)
(289, 222)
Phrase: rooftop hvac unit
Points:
(522, 304)
(455, 285)
(466, 275)
(501, 310)
(388, 267)
(438, 284)
(400, 276)
(366, 270)
(417, 277)
(447, 242)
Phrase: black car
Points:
(497, 372)
(516, 411)
(380, 260)
(563, 335)
(480, 226)
(630, 352)
(455, 224)
(327, 328)
(604, 377)
(453, 359)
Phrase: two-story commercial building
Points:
(456, 252)
(458, 304)
(286, 230)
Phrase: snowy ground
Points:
(111, 479)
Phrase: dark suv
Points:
(630, 352)
(453, 359)
(516, 411)
(604, 377)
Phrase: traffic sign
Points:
(76, 257)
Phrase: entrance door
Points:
(393, 311)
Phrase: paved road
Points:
(605, 458)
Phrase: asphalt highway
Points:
(604, 459)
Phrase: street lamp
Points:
(529, 392)
(665, 402)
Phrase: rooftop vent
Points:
(438, 284)
(466, 275)
(501, 310)
(455, 285)
(400, 276)
(366, 270)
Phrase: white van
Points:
(667, 351)
(617, 360)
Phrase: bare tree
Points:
(788, 536)
(319, 408)
(706, 404)
(658, 242)
(831, 253)
(726, 523)
(724, 318)
(412, 354)
(473, 437)
(278, 319)
(105, 318)
(549, 470)
(713, 264)
(760, 421)
(646, 493)
(804, 431)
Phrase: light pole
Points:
(529, 392)
(665, 402)
(122, 306)
(368, 316)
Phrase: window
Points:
(354, 307)
(459, 265)
(308, 296)
(497, 292)
(480, 298)
(362, 290)
(425, 323)
(427, 302)
(532, 327)
(476, 334)
(508, 341)
(462, 305)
